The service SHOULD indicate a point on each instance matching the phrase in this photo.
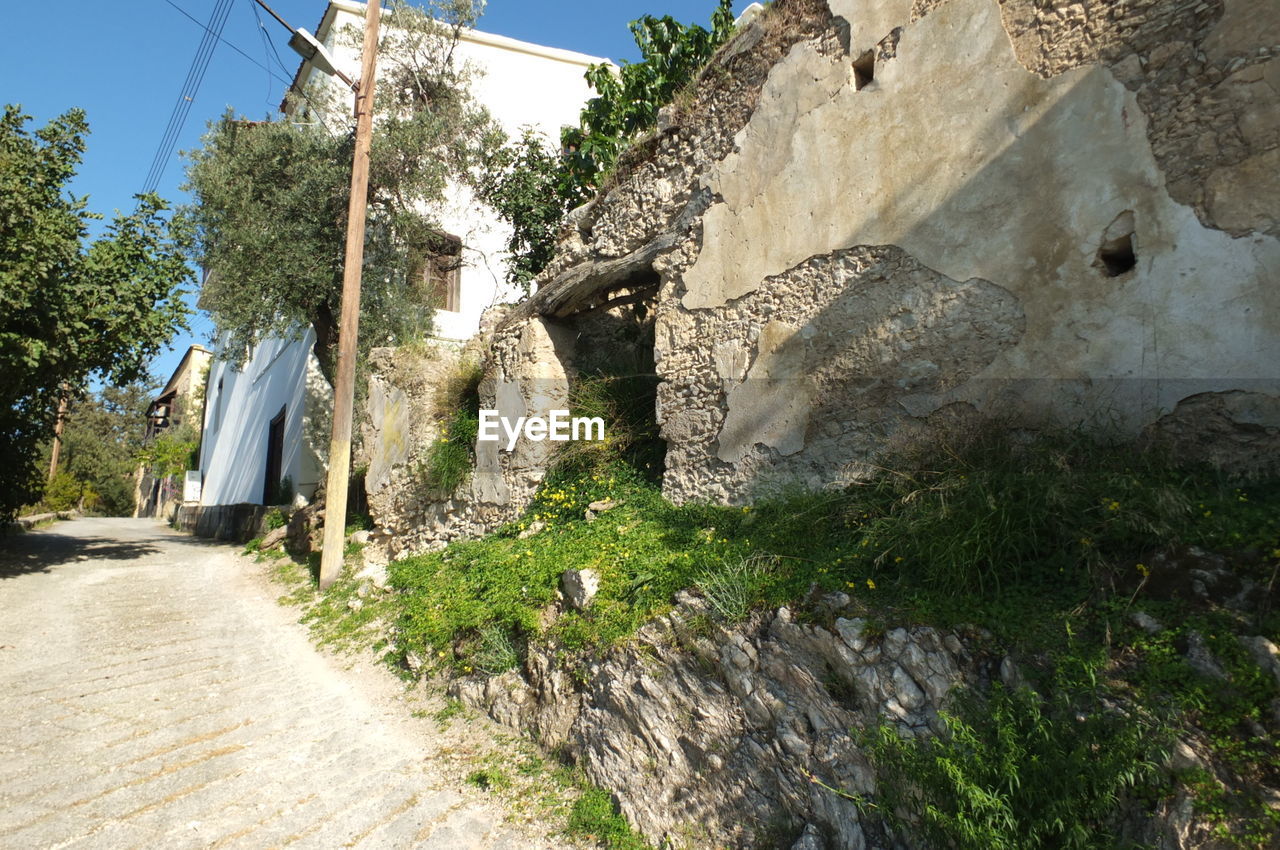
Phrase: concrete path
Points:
(152, 694)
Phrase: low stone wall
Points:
(237, 523)
(714, 737)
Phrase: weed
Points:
(452, 708)
(274, 519)
(489, 779)
(1016, 771)
(595, 817)
(731, 591)
(498, 652)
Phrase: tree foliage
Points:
(101, 443)
(70, 307)
(628, 100)
(271, 197)
(532, 186)
(528, 185)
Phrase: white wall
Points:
(521, 84)
(233, 454)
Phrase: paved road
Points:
(152, 695)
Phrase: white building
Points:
(268, 421)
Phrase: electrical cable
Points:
(262, 29)
(187, 95)
(229, 44)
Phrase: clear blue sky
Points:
(124, 63)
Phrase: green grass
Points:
(595, 818)
(1014, 538)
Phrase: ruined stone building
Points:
(880, 217)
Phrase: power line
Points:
(227, 43)
(266, 39)
(187, 95)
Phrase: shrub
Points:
(1016, 771)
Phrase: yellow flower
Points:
(871, 585)
(1113, 505)
(1208, 513)
(1085, 541)
(1143, 569)
(898, 560)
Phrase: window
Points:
(441, 273)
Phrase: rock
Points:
(1200, 659)
(361, 537)
(1146, 622)
(355, 604)
(1264, 653)
(1183, 757)
(534, 527)
(603, 505)
(273, 538)
(810, 839)
(1010, 675)
(579, 587)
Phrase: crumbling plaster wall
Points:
(873, 253)
(525, 371)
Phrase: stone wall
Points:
(524, 371)
(875, 215)
(714, 737)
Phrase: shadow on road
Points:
(21, 554)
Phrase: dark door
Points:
(275, 457)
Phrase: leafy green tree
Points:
(102, 441)
(70, 307)
(627, 102)
(532, 186)
(271, 197)
(527, 184)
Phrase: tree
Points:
(533, 186)
(70, 308)
(271, 197)
(102, 444)
(528, 186)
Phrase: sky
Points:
(125, 62)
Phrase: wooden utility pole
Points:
(57, 435)
(335, 515)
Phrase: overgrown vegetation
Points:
(448, 461)
(627, 100)
(1018, 771)
(1050, 543)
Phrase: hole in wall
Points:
(616, 373)
(1118, 253)
(864, 70)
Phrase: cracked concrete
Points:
(155, 695)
